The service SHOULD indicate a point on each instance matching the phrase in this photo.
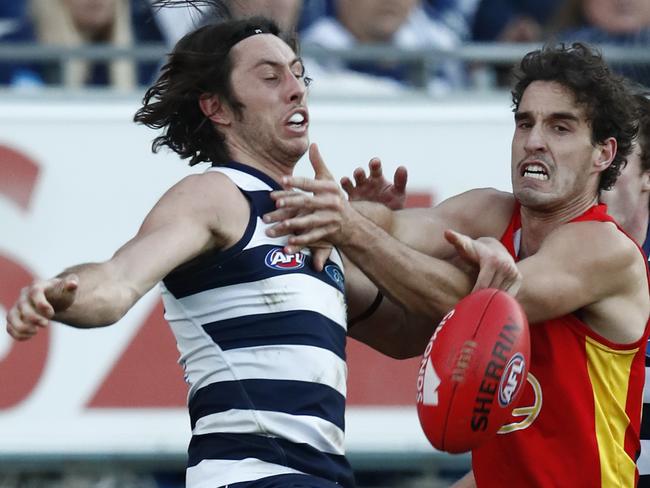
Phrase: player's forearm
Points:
(102, 298)
(423, 285)
(377, 213)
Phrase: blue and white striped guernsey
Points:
(262, 341)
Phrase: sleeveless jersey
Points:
(577, 422)
(643, 463)
(261, 338)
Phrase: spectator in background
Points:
(510, 21)
(623, 23)
(513, 20)
(74, 23)
(458, 15)
(284, 12)
(10, 14)
(399, 23)
(288, 14)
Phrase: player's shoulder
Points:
(210, 189)
(606, 242)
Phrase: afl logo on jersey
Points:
(277, 259)
(512, 379)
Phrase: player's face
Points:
(267, 77)
(624, 199)
(553, 158)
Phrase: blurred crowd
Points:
(339, 25)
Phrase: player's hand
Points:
(321, 208)
(375, 187)
(497, 268)
(38, 303)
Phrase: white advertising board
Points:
(76, 179)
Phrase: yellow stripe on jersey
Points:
(609, 371)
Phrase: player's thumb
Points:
(321, 171)
(63, 292)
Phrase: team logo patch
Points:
(512, 379)
(334, 272)
(278, 259)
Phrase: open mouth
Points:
(534, 171)
(298, 120)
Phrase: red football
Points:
(473, 371)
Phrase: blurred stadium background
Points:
(105, 408)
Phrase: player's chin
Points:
(296, 147)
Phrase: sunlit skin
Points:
(555, 165)
(268, 78)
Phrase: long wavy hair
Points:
(199, 66)
(605, 96)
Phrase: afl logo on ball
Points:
(277, 259)
(512, 379)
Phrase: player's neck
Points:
(536, 224)
(265, 164)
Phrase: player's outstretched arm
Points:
(184, 223)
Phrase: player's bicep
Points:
(183, 224)
(157, 249)
(423, 228)
(576, 266)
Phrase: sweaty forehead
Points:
(248, 52)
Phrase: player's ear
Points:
(606, 153)
(215, 109)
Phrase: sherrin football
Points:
(473, 371)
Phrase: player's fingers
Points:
(486, 279)
(400, 178)
(375, 168)
(276, 195)
(279, 215)
(514, 287)
(302, 202)
(36, 297)
(462, 244)
(310, 237)
(29, 316)
(359, 176)
(302, 224)
(309, 184)
(18, 329)
(321, 171)
(320, 255)
(348, 187)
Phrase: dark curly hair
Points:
(607, 101)
(199, 65)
